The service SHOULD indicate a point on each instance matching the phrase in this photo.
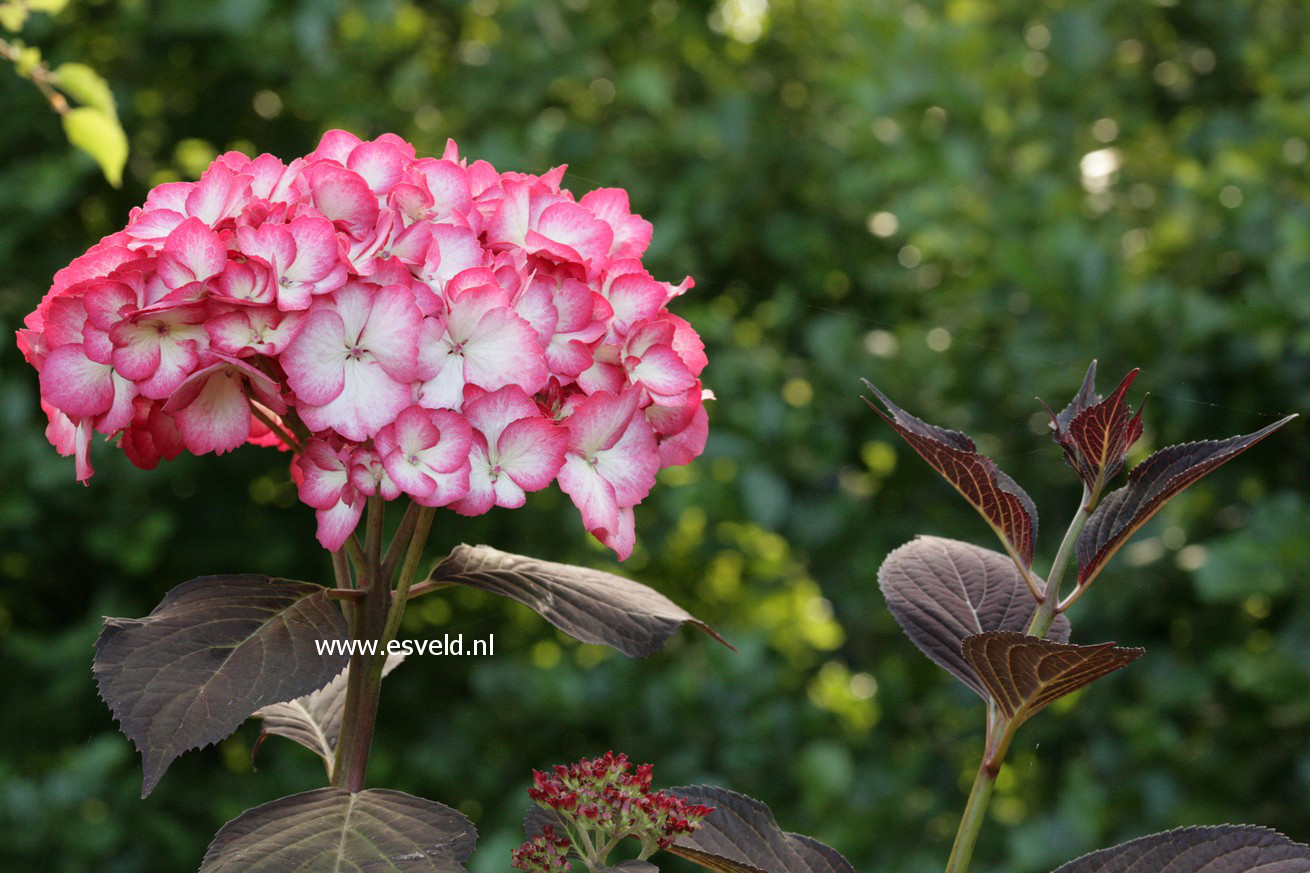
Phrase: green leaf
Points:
(212, 652)
(13, 16)
(27, 59)
(379, 830)
(86, 86)
(49, 7)
(99, 135)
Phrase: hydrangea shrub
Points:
(433, 331)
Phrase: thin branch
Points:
(428, 586)
(267, 420)
(298, 427)
(1041, 622)
(341, 569)
(400, 541)
(40, 76)
(356, 553)
(422, 525)
(373, 534)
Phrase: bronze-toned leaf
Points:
(212, 652)
(741, 836)
(1085, 397)
(589, 605)
(1025, 674)
(1096, 434)
(1150, 485)
(997, 497)
(313, 720)
(941, 591)
(330, 829)
(1219, 849)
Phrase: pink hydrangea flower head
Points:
(402, 325)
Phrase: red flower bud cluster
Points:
(609, 795)
(544, 853)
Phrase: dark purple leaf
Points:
(1150, 485)
(536, 819)
(378, 831)
(1085, 397)
(314, 719)
(589, 605)
(741, 836)
(1096, 434)
(1025, 674)
(997, 497)
(941, 591)
(212, 652)
(1218, 849)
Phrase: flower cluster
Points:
(608, 799)
(419, 326)
(545, 853)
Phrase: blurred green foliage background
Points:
(962, 200)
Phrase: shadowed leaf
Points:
(941, 591)
(212, 652)
(1219, 849)
(741, 836)
(330, 829)
(313, 720)
(1150, 485)
(589, 605)
(997, 497)
(1025, 674)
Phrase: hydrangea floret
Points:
(601, 802)
(545, 853)
(405, 325)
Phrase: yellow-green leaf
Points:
(50, 7)
(86, 86)
(27, 59)
(12, 17)
(101, 136)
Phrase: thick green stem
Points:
(376, 618)
(999, 733)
